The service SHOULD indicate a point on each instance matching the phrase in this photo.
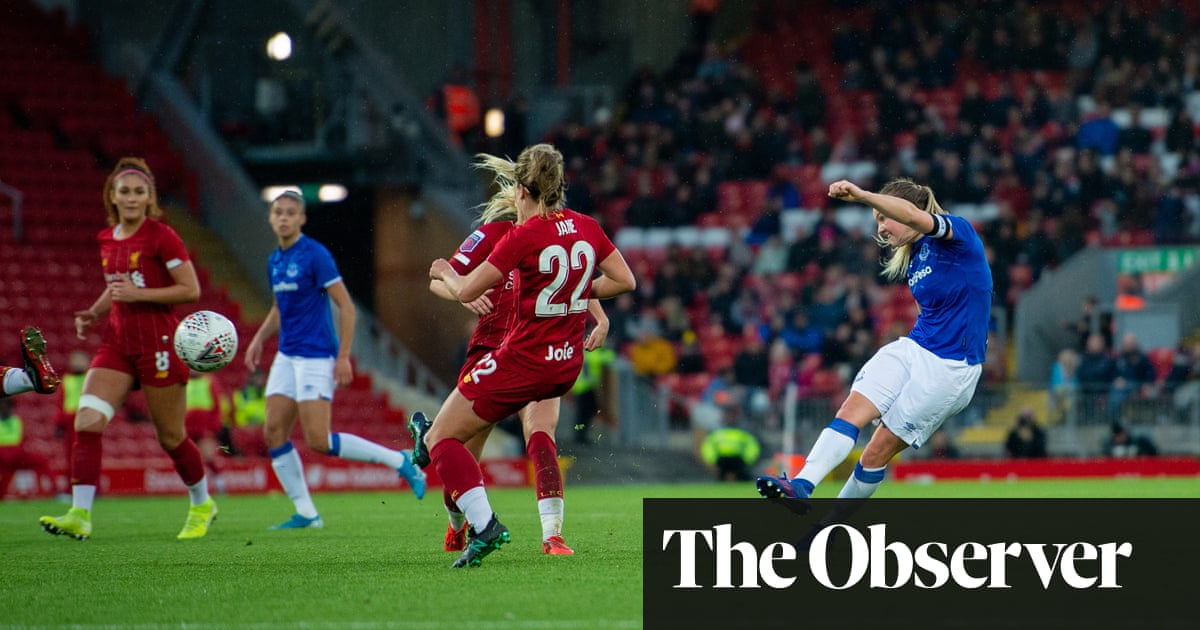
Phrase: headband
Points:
(133, 171)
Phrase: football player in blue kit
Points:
(911, 385)
(312, 360)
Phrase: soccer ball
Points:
(206, 341)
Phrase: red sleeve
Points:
(508, 251)
(478, 245)
(171, 248)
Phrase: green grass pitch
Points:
(378, 563)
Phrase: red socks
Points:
(188, 462)
(85, 458)
(456, 467)
(546, 473)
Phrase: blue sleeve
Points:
(325, 268)
(963, 230)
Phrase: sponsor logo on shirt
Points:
(559, 353)
(919, 275)
(280, 287)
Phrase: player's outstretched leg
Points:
(481, 543)
(37, 363)
(415, 477)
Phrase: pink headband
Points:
(134, 171)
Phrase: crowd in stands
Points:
(1053, 126)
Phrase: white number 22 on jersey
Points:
(554, 259)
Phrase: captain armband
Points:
(941, 226)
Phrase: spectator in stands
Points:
(751, 373)
(1026, 439)
(767, 225)
(943, 261)
(623, 321)
(13, 454)
(941, 447)
(312, 360)
(1064, 381)
(1096, 373)
(651, 354)
(1091, 320)
(646, 209)
(1180, 135)
(1122, 443)
(147, 271)
(691, 358)
(1134, 136)
(670, 282)
(1133, 375)
(522, 370)
(731, 450)
(1171, 220)
(771, 258)
(1099, 133)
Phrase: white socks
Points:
(551, 511)
(474, 504)
(863, 482)
(198, 492)
(831, 448)
(290, 472)
(16, 381)
(83, 496)
(350, 446)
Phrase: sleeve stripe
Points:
(462, 259)
(173, 263)
(332, 282)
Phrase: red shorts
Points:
(497, 392)
(474, 354)
(157, 369)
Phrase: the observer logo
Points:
(890, 564)
(1034, 564)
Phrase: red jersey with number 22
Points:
(147, 256)
(555, 258)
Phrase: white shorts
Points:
(914, 390)
(301, 378)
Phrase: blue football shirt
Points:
(300, 277)
(952, 283)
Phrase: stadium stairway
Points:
(989, 436)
